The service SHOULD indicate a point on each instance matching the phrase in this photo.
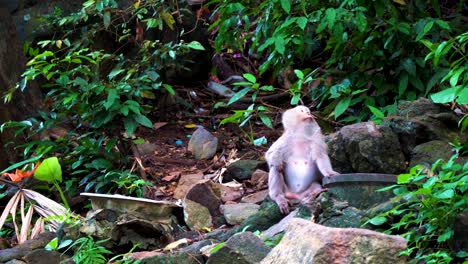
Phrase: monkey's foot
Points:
(313, 194)
(283, 205)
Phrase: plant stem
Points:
(62, 195)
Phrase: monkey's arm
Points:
(276, 184)
(320, 152)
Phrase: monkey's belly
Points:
(300, 174)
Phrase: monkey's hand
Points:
(330, 173)
(282, 203)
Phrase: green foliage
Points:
(371, 53)
(50, 171)
(101, 79)
(88, 251)
(429, 202)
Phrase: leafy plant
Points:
(429, 201)
(86, 250)
(367, 53)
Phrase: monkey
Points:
(298, 160)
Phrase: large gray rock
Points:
(241, 248)
(236, 213)
(196, 216)
(365, 147)
(203, 144)
(306, 242)
(421, 121)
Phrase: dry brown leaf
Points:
(158, 125)
(25, 225)
(8, 207)
(38, 228)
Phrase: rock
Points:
(158, 257)
(460, 230)
(26, 247)
(365, 147)
(196, 216)
(147, 233)
(428, 153)
(236, 213)
(196, 247)
(360, 190)
(241, 248)
(185, 183)
(279, 227)
(220, 89)
(242, 170)
(231, 193)
(266, 216)
(258, 180)
(203, 144)
(42, 256)
(420, 121)
(306, 242)
(146, 148)
(256, 198)
(207, 194)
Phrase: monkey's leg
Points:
(313, 191)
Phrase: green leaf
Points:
(403, 84)
(239, 95)
(301, 22)
(112, 96)
(330, 16)
(169, 88)
(130, 126)
(115, 72)
(404, 178)
(341, 107)
(378, 220)
(280, 44)
(249, 77)
(195, 45)
(106, 18)
(295, 99)
(444, 96)
(463, 97)
(447, 194)
(376, 112)
(143, 120)
(448, 234)
(409, 66)
(456, 75)
(49, 170)
(22, 163)
(169, 20)
(361, 21)
(266, 120)
(299, 74)
(426, 29)
(286, 5)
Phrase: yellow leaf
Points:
(58, 43)
(168, 19)
(148, 95)
(137, 4)
(401, 2)
(190, 126)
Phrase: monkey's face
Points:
(303, 114)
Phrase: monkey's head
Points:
(298, 117)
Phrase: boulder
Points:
(203, 144)
(186, 182)
(365, 147)
(241, 248)
(236, 213)
(306, 242)
(196, 216)
(242, 170)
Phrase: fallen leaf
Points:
(158, 125)
(172, 176)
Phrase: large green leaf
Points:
(49, 170)
(341, 107)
